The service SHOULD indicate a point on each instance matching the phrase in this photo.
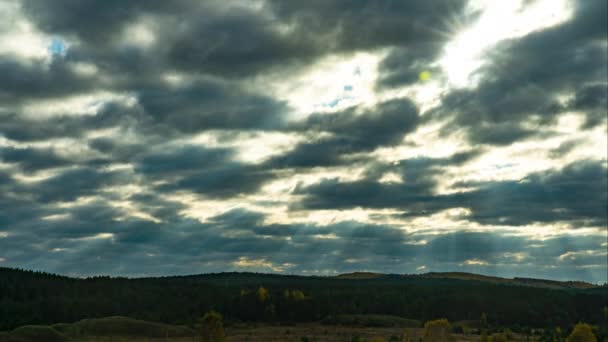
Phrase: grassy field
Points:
(123, 329)
(299, 333)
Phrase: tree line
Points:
(28, 297)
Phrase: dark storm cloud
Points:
(32, 159)
(576, 193)
(239, 43)
(89, 19)
(235, 41)
(161, 111)
(524, 77)
(71, 184)
(208, 105)
(212, 172)
(21, 80)
(365, 24)
(186, 246)
(18, 127)
(385, 124)
(416, 194)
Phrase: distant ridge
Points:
(518, 281)
(360, 275)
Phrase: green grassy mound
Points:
(124, 326)
(34, 333)
(373, 321)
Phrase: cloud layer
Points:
(315, 137)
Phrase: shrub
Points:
(437, 331)
(581, 333)
(212, 329)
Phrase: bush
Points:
(437, 331)
(212, 329)
(581, 333)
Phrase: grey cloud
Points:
(367, 24)
(212, 172)
(416, 195)
(185, 246)
(89, 19)
(234, 41)
(386, 124)
(32, 159)
(16, 126)
(208, 105)
(71, 184)
(565, 148)
(21, 81)
(576, 193)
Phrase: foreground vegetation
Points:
(392, 302)
(211, 328)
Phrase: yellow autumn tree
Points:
(262, 294)
(212, 328)
(437, 331)
(297, 295)
(581, 333)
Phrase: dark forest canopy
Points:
(28, 297)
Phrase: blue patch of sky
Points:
(58, 47)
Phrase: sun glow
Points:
(332, 84)
(499, 20)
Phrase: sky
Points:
(147, 138)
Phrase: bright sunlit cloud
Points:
(499, 20)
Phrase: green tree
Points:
(212, 329)
(581, 333)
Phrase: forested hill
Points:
(553, 284)
(28, 297)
